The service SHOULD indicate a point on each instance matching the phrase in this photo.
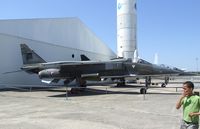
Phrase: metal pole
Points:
(143, 95)
(66, 94)
(30, 89)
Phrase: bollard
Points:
(143, 96)
(30, 89)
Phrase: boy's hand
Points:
(192, 114)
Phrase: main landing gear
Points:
(164, 84)
(121, 82)
(81, 85)
(147, 84)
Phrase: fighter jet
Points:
(52, 72)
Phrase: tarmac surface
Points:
(99, 107)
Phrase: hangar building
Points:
(54, 39)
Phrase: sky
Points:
(170, 28)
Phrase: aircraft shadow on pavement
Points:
(14, 89)
(94, 92)
(88, 91)
(128, 86)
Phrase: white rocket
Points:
(126, 29)
(156, 58)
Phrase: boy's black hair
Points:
(189, 84)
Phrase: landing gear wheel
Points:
(163, 85)
(121, 83)
(143, 91)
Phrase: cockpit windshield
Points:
(143, 61)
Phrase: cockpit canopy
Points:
(143, 61)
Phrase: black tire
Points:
(163, 85)
(121, 84)
(143, 91)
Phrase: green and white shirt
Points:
(191, 104)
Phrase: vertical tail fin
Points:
(29, 56)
